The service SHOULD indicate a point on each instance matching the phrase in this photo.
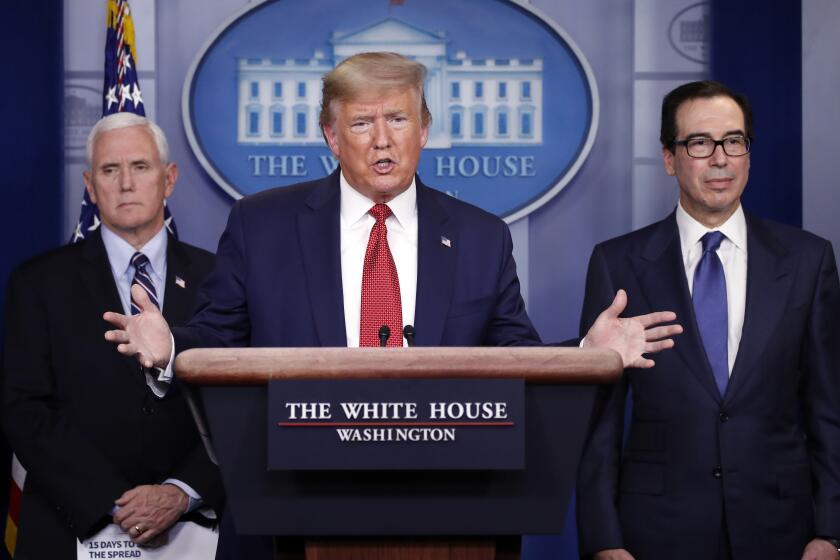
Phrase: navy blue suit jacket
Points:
(763, 461)
(277, 281)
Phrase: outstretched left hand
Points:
(632, 337)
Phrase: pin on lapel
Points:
(180, 282)
(445, 241)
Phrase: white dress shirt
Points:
(356, 224)
(119, 255)
(733, 255)
(120, 252)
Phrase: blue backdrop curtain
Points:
(31, 48)
(757, 50)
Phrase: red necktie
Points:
(381, 303)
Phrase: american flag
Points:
(121, 92)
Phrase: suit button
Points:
(147, 410)
(724, 417)
(717, 472)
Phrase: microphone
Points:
(408, 333)
(384, 333)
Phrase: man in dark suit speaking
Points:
(351, 259)
(733, 450)
(101, 439)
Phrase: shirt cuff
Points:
(166, 375)
(195, 500)
(159, 379)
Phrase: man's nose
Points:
(126, 179)
(381, 134)
(718, 156)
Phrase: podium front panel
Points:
(311, 503)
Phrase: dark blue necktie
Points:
(141, 277)
(709, 297)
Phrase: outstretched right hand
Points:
(146, 336)
(632, 337)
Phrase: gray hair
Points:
(117, 121)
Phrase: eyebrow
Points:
(361, 116)
(737, 132)
(107, 164)
(369, 116)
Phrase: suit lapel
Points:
(435, 267)
(769, 279)
(101, 287)
(97, 276)
(320, 242)
(662, 278)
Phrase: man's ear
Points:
(424, 136)
(170, 178)
(668, 160)
(332, 139)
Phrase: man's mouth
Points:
(720, 181)
(384, 165)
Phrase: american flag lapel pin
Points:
(445, 241)
(180, 282)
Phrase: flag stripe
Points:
(18, 472)
(14, 502)
(13, 515)
(10, 537)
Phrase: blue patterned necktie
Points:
(709, 298)
(141, 277)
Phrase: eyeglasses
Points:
(702, 147)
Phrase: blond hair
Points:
(371, 72)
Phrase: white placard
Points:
(187, 541)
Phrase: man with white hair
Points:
(101, 439)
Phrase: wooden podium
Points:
(399, 515)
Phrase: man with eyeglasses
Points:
(733, 447)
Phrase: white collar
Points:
(355, 206)
(120, 251)
(691, 231)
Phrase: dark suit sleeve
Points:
(598, 473)
(820, 398)
(202, 476)
(79, 479)
(509, 324)
(221, 318)
(194, 467)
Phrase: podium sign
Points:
(396, 424)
